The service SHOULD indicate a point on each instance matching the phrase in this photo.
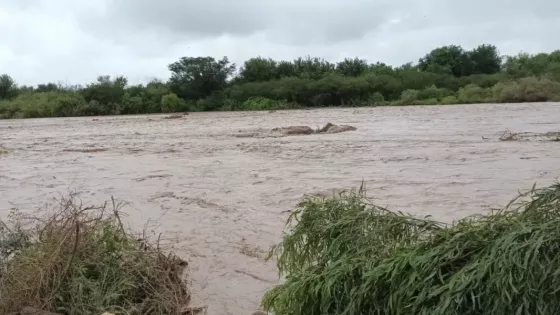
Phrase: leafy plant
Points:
(344, 255)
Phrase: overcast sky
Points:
(74, 41)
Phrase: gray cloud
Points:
(290, 22)
(74, 41)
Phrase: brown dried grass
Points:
(81, 260)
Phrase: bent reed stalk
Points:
(345, 255)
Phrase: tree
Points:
(517, 65)
(193, 78)
(49, 87)
(485, 59)
(106, 92)
(527, 65)
(381, 68)
(25, 89)
(447, 59)
(131, 104)
(8, 87)
(285, 69)
(313, 68)
(352, 67)
(258, 69)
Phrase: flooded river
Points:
(223, 199)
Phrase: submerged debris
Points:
(330, 128)
(295, 130)
(174, 116)
(86, 150)
(508, 135)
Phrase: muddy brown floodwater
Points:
(223, 199)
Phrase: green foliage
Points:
(170, 103)
(482, 80)
(215, 101)
(529, 89)
(447, 59)
(448, 74)
(43, 104)
(409, 97)
(376, 99)
(262, 103)
(107, 92)
(352, 67)
(8, 87)
(194, 78)
(474, 94)
(131, 104)
(484, 59)
(312, 68)
(526, 65)
(432, 92)
(344, 255)
(259, 69)
(49, 87)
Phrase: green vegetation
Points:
(446, 75)
(344, 255)
(80, 260)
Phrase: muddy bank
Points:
(223, 200)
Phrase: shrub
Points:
(474, 94)
(529, 89)
(258, 103)
(409, 97)
(344, 255)
(81, 260)
(211, 103)
(449, 100)
(432, 92)
(376, 99)
(43, 104)
(170, 103)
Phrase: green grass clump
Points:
(80, 260)
(344, 255)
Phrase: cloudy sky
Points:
(75, 41)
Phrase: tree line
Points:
(445, 75)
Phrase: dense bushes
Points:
(43, 104)
(527, 90)
(446, 75)
(343, 255)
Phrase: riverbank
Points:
(72, 103)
